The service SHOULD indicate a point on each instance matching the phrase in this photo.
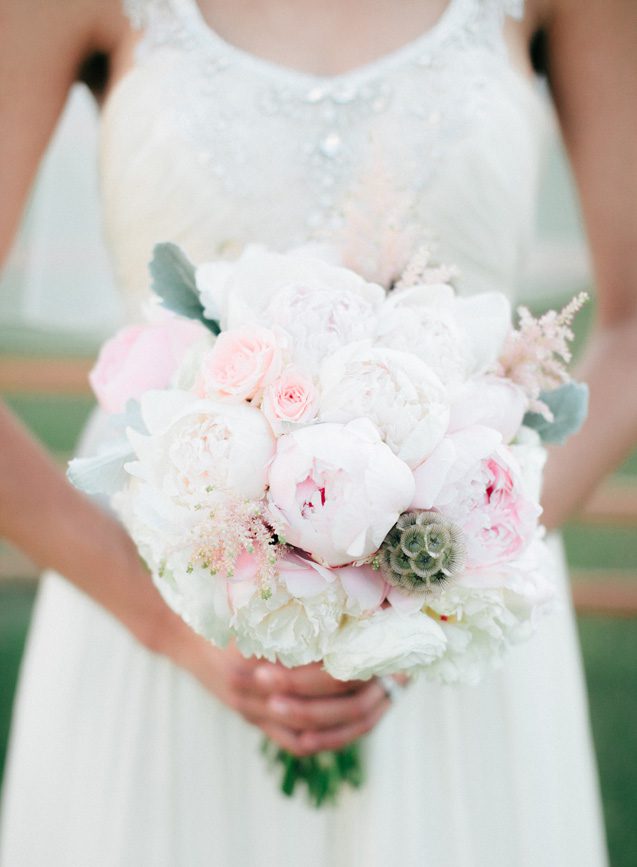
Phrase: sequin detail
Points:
(343, 139)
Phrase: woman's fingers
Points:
(284, 738)
(302, 714)
(307, 681)
(340, 736)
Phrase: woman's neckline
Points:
(280, 71)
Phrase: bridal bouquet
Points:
(328, 470)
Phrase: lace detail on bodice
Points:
(335, 112)
(210, 146)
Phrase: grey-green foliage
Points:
(569, 405)
(173, 280)
(104, 474)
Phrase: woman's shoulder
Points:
(72, 29)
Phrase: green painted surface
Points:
(55, 420)
(16, 602)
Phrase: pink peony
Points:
(241, 363)
(336, 490)
(481, 488)
(291, 398)
(141, 357)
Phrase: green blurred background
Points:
(596, 553)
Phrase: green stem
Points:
(323, 774)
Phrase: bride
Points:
(135, 742)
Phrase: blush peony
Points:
(483, 491)
(141, 357)
(336, 490)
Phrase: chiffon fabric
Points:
(117, 757)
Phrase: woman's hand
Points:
(304, 710)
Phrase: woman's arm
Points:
(43, 47)
(593, 72)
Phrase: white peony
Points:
(386, 643)
(322, 306)
(401, 395)
(456, 336)
(198, 447)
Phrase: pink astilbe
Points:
(536, 354)
(419, 271)
(379, 233)
(231, 529)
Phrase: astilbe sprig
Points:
(421, 271)
(227, 530)
(379, 229)
(537, 352)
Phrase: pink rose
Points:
(336, 490)
(241, 363)
(291, 398)
(141, 357)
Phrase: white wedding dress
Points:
(119, 759)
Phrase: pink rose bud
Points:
(291, 398)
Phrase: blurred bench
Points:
(595, 591)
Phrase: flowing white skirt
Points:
(119, 759)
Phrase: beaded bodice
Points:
(212, 147)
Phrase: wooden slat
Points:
(602, 594)
(614, 504)
(14, 564)
(45, 375)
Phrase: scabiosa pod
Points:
(421, 553)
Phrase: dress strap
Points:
(141, 12)
(514, 8)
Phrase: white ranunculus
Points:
(388, 642)
(401, 395)
(457, 336)
(198, 447)
(336, 490)
(294, 623)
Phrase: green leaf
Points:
(569, 405)
(173, 280)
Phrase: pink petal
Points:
(364, 585)
(406, 603)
